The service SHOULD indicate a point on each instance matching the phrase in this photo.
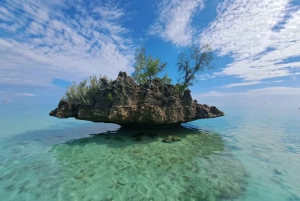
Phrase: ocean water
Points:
(251, 154)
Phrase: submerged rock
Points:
(171, 139)
(79, 176)
(199, 167)
(132, 104)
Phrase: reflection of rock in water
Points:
(137, 165)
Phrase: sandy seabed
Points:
(133, 164)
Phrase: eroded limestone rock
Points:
(133, 104)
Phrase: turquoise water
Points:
(250, 154)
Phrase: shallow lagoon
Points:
(249, 155)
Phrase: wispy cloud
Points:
(40, 41)
(209, 94)
(26, 94)
(241, 84)
(260, 35)
(277, 81)
(174, 20)
(12, 95)
(283, 91)
(205, 76)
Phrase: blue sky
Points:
(45, 45)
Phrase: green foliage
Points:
(166, 79)
(195, 63)
(148, 68)
(110, 97)
(179, 89)
(85, 92)
(139, 66)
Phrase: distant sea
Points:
(251, 154)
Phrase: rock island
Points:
(125, 102)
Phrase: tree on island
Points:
(132, 103)
(148, 68)
(189, 66)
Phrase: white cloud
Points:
(12, 95)
(110, 12)
(5, 15)
(249, 31)
(26, 94)
(282, 91)
(211, 94)
(42, 43)
(205, 76)
(260, 35)
(241, 84)
(174, 20)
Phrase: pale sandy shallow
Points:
(115, 166)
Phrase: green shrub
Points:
(85, 92)
(179, 89)
(110, 97)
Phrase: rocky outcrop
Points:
(124, 102)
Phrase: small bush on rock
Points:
(85, 92)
